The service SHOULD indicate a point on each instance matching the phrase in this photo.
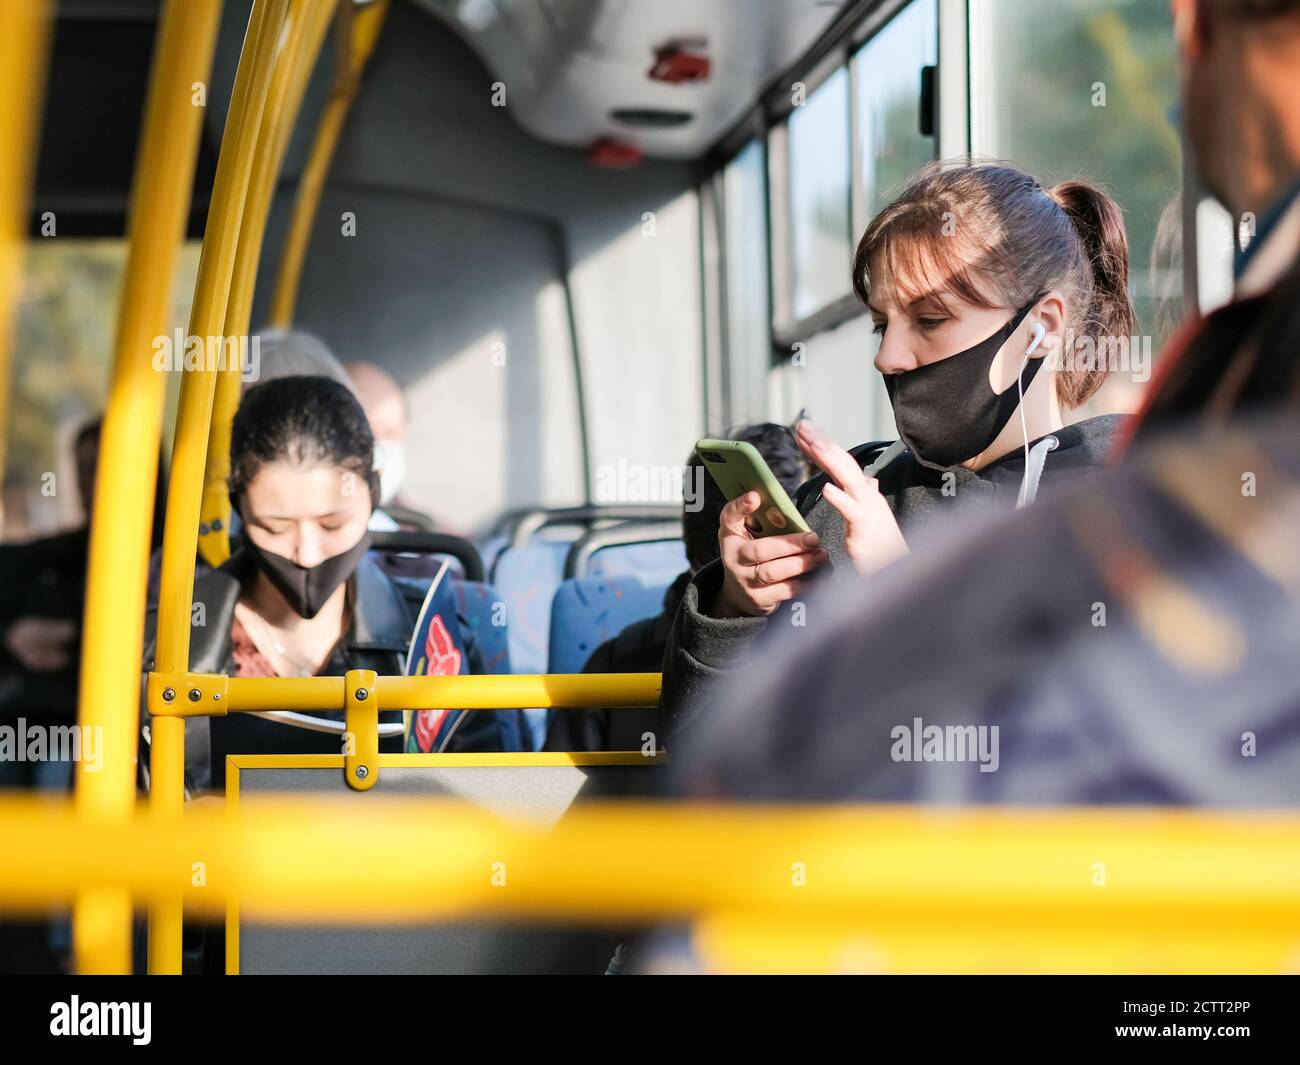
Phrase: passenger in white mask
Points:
(385, 406)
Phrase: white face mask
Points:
(390, 461)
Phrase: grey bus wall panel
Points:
(540, 793)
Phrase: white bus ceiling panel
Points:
(424, 123)
(567, 64)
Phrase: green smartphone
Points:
(738, 468)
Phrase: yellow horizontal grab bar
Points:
(236, 694)
(1221, 891)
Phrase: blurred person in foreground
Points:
(1239, 67)
(44, 583)
(639, 648)
(41, 611)
(1134, 639)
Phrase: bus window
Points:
(886, 74)
(1085, 90)
(818, 168)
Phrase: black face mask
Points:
(946, 412)
(306, 588)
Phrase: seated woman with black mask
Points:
(299, 597)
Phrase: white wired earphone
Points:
(1040, 331)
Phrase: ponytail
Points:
(1109, 313)
(1014, 238)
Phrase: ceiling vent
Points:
(681, 63)
(650, 117)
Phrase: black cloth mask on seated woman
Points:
(946, 411)
(306, 588)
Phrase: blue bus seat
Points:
(526, 578)
(485, 622)
(590, 610)
(651, 562)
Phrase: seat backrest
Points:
(526, 578)
(484, 616)
(655, 562)
(587, 611)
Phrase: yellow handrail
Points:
(309, 21)
(811, 888)
(185, 487)
(109, 700)
(469, 692)
(359, 33)
(24, 48)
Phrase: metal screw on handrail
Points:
(169, 694)
(195, 695)
(362, 695)
(362, 771)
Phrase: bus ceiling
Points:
(667, 79)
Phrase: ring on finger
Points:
(758, 577)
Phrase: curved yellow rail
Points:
(359, 33)
(309, 21)
(185, 487)
(120, 526)
(24, 49)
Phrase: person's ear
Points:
(1050, 312)
(1191, 29)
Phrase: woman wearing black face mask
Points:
(998, 304)
(299, 597)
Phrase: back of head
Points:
(777, 445)
(1255, 10)
(988, 231)
(295, 353)
(381, 396)
(1239, 66)
(301, 420)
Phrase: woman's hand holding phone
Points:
(872, 537)
(760, 573)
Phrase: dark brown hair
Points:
(991, 235)
(303, 418)
(1256, 10)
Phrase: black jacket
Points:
(1184, 691)
(702, 648)
(47, 579)
(377, 638)
(639, 648)
(1240, 360)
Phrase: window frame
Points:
(954, 118)
(768, 121)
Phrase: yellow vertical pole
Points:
(189, 452)
(24, 41)
(309, 22)
(359, 33)
(126, 482)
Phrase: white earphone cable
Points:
(1039, 333)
